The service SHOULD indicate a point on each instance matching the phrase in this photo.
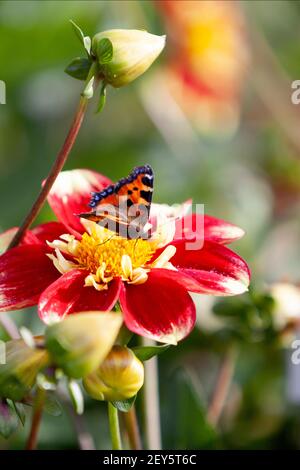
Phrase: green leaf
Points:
(18, 409)
(8, 420)
(76, 396)
(105, 51)
(88, 92)
(85, 40)
(144, 353)
(79, 68)
(102, 98)
(124, 405)
(52, 405)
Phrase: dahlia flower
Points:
(74, 265)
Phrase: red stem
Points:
(55, 170)
(36, 419)
(132, 429)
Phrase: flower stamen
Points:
(60, 262)
(162, 261)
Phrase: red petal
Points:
(6, 237)
(218, 270)
(49, 231)
(71, 194)
(212, 229)
(160, 309)
(25, 271)
(68, 295)
(220, 231)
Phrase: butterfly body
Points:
(124, 207)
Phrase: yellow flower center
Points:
(105, 255)
(93, 252)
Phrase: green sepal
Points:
(85, 40)
(45, 382)
(124, 405)
(105, 51)
(88, 92)
(79, 68)
(76, 396)
(102, 99)
(144, 353)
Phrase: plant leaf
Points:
(79, 68)
(124, 405)
(18, 408)
(144, 353)
(8, 419)
(52, 405)
(105, 51)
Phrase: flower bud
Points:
(79, 343)
(133, 53)
(287, 304)
(18, 374)
(119, 377)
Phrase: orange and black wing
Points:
(136, 189)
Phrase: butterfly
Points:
(124, 207)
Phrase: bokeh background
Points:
(214, 118)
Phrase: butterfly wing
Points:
(127, 202)
(137, 188)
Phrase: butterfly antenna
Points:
(107, 240)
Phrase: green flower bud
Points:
(132, 53)
(18, 374)
(119, 377)
(79, 343)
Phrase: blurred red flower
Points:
(208, 59)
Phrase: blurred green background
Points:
(248, 175)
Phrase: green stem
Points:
(151, 406)
(114, 427)
(222, 387)
(56, 168)
(36, 419)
